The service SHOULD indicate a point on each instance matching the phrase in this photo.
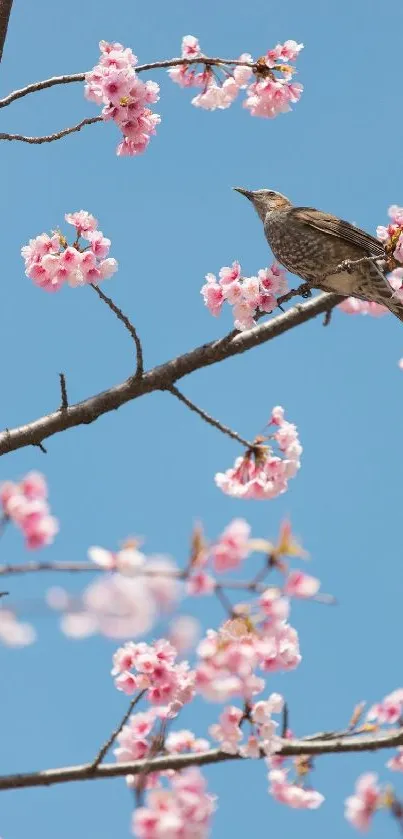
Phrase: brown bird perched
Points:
(310, 243)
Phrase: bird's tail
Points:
(377, 289)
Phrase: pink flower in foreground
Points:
(269, 94)
(261, 474)
(299, 584)
(389, 710)
(293, 794)
(26, 505)
(360, 807)
(50, 262)
(396, 762)
(249, 296)
(232, 547)
(113, 83)
(184, 632)
(183, 811)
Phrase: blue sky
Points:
(148, 469)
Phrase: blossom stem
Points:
(111, 739)
(209, 419)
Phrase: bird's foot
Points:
(346, 265)
(305, 290)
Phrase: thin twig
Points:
(103, 750)
(40, 446)
(163, 376)
(207, 418)
(63, 389)
(49, 138)
(5, 11)
(284, 722)
(224, 600)
(129, 326)
(290, 748)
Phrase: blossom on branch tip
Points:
(50, 261)
(27, 507)
(293, 794)
(270, 94)
(113, 83)
(260, 473)
(360, 807)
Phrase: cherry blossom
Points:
(25, 504)
(184, 632)
(360, 807)
(271, 93)
(232, 547)
(260, 473)
(113, 83)
(396, 762)
(250, 297)
(353, 306)
(302, 585)
(184, 810)
(15, 633)
(167, 682)
(50, 261)
(228, 659)
(293, 794)
(389, 710)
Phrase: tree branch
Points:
(154, 65)
(290, 748)
(48, 138)
(163, 376)
(102, 752)
(5, 11)
(207, 418)
(129, 326)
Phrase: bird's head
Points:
(264, 200)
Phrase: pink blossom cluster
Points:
(270, 94)
(360, 807)
(227, 659)
(260, 473)
(184, 810)
(293, 794)
(249, 296)
(126, 602)
(354, 306)
(166, 681)
(25, 504)
(226, 554)
(264, 738)
(392, 235)
(135, 740)
(389, 711)
(13, 632)
(114, 83)
(50, 262)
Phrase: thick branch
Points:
(291, 748)
(164, 376)
(5, 11)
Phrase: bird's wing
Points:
(334, 226)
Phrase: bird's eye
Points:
(271, 194)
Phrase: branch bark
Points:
(291, 748)
(163, 376)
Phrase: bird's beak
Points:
(247, 192)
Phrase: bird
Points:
(311, 243)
